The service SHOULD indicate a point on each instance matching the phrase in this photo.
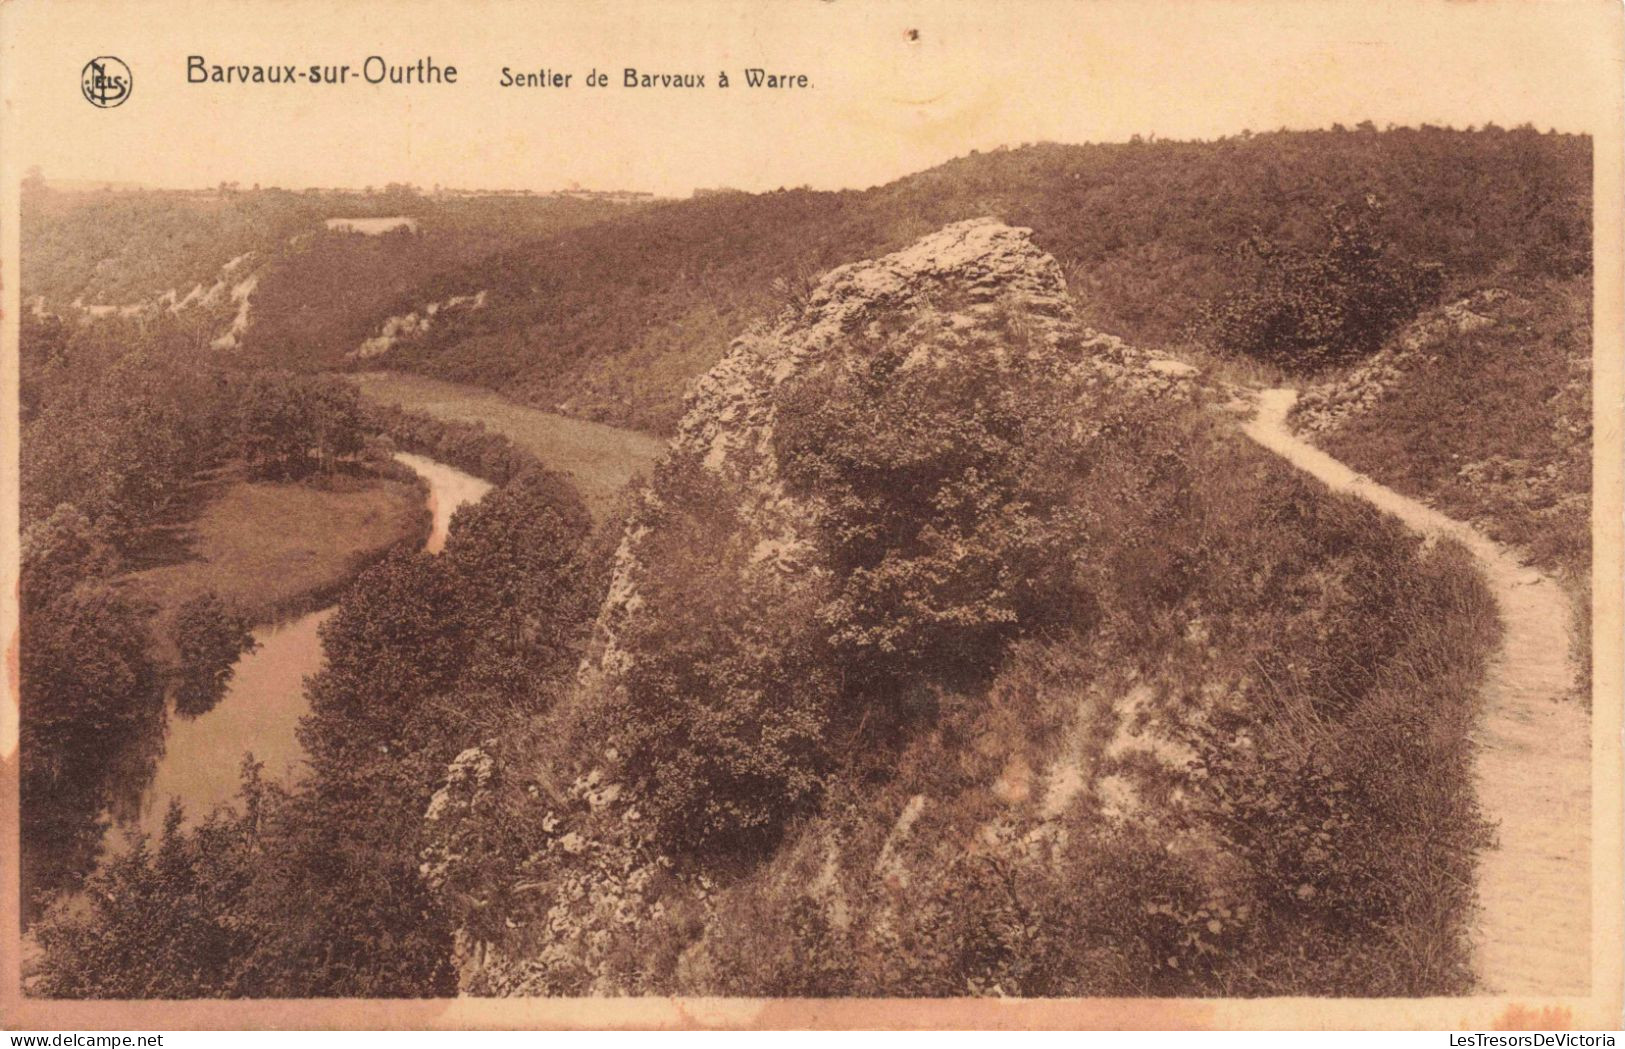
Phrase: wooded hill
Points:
(131, 247)
(610, 320)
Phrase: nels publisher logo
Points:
(105, 81)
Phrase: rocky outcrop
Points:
(953, 286)
(409, 327)
(225, 302)
(957, 292)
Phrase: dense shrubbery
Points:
(90, 698)
(1310, 308)
(120, 421)
(286, 898)
(1316, 669)
(723, 721)
(946, 532)
(123, 418)
(468, 446)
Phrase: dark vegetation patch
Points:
(1306, 309)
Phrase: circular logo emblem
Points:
(105, 81)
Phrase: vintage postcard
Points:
(830, 513)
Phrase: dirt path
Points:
(1533, 776)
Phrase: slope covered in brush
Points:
(610, 321)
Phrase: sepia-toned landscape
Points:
(1159, 568)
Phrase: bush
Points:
(946, 535)
(1307, 309)
(722, 721)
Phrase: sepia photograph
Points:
(859, 514)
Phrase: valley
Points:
(260, 711)
(1152, 569)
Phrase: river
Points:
(260, 712)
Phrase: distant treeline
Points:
(606, 311)
(123, 248)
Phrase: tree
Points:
(397, 637)
(334, 420)
(943, 532)
(58, 553)
(283, 896)
(91, 704)
(722, 718)
(517, 557)
(209, 637)
(285, 419)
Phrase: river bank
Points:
(260, 712)
(274, 551)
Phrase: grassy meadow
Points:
(599, 459)
(273, 550)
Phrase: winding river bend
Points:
(260, 711)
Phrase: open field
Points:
(599, 459)
(274, 550)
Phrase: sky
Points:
(896, 86)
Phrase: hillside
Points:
(933, 664)
(274, 262)
(610, 321)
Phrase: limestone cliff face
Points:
(990, 265)
(954, 283)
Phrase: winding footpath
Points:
(1532, 933)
